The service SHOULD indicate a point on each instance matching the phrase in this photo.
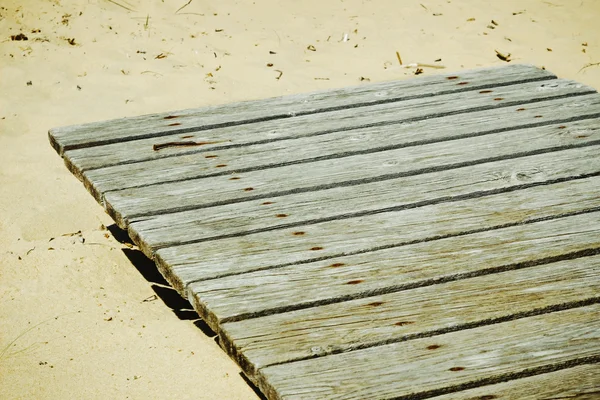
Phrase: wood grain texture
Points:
(425, 311)
(230, 143)
(578, 383)
(390, 270)
(156, 125)
(349, 171)
(165, 230)
(335, 238)
(449, 362)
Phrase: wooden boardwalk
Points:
(431, 238)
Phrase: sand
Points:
(79, 315)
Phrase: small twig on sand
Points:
(28, 330)
(151, 72)
(120, 5)
(503, 57)
(183, 6)
(415, 65)
(589, 65)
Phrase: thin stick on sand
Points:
(589, 65)
(120, 5)
(183, 6)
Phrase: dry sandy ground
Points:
(78, 319)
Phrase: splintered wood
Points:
(436, 237)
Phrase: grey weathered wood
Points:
(339, 120)
(156, 125)
(341, 143)
(333, 238)
(579, 383)
(278, 132)
(452, 361)
(394, 317)
(374, 242)
(198, 193)
(165, 230)
(399, 268)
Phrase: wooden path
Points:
(430, 238)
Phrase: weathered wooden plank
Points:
(127, 204)
(579, 383)
(426, 311)
(340, 143)
(165, 230)
(338, 237)
(274, 134)
(450, 362)
(316, 124)
(156, 125)
(399, 268)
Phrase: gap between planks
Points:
(337, 145)
(310, 127)
(410, 314)
(188, 170)
(327, 240)
(413, 191)
(352, 171)
(252, 134)
(322, 283)
(454, 361)
(125, 129)
(581, 382)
